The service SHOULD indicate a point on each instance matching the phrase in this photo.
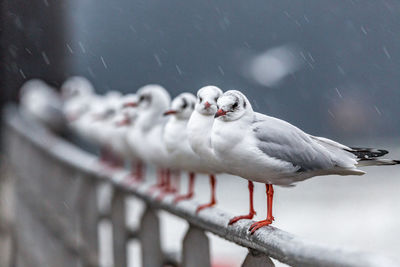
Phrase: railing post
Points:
(88, 216)
(150, 239)
(196, 248)
(120, 234)
(257, 259)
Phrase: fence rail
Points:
(57, 214)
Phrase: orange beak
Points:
(123, 122)
(130, 104)
(220, 113)
(170, 112)
(207, 105)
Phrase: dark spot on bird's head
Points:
(185, 103)
(235, 105)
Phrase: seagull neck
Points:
(148, 119)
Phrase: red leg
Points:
(168, 188)
(116, 161)
(174, 185)
(107, 156)
(139, 170)
(135, 174)
(103, 155)
(252, 212)
(190, 193)
(270, 218)
(213, 200)
(161, 182)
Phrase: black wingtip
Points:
(365, 153)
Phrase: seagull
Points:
(79, 99)
(76, 87)
(199, 134)
(101, 126)
(123, 123)
(268, 150)
(175, 136)
(40, 102)
(145, 138)
(104, 128)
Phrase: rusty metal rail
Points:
(57, 183)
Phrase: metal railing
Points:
(57, 214)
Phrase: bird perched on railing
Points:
(145, 138)
(176, 139)
(214, 133)
(79, 100)
(199, 134)
(268, 150)
(41, 102)
(123, 122)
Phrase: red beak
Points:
(123, 122)
(220, 113)
(207, 105)
(170, 112)
(130, 104)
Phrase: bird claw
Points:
(257, 225)
(182, 197)
(165, 192)
(155, 187)
(204, 206)
(131, 179)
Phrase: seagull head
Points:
(108, 106)
(76, 86)
(232, 105)
(182, 106)
(153, 98)
(207, 100)
(128, 108)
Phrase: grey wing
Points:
(281, 140)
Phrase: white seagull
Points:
(181, 155)
(79, 99)
(199, 134)
(101, 126)
(145, 138)
(41, 102)
(268, 150)
(123, 123)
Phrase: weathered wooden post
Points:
(120, 233)
(196, 248)
(257, 259)
(150, 239)
(88, 216)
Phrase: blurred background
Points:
(331, 68)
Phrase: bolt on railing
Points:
(56, 193)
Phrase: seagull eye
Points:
(201, 99)
(235, 105)
(185, 104)
(216, 99)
